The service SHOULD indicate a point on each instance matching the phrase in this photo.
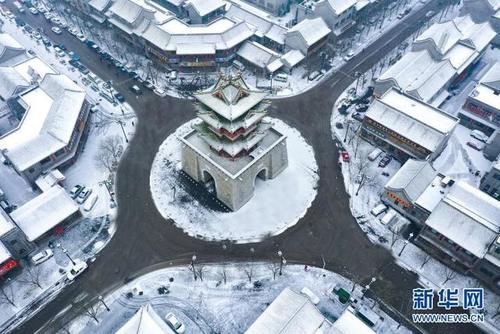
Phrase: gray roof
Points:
(412, 178)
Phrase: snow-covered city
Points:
(250, 166)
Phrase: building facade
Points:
(232, 146)
(490, 182)
(339, 15)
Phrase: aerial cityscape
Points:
(249, 166)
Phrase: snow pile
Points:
(276, 205)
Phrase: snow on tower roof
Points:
(145, 321)
(468, 217)
(417, 121)
(290, 313)
(205, 7)
(52, 111)
(312, 30)
(413, 178)
(44, 212)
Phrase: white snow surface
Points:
(277, 204)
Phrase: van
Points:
(238, 65)
(282, 77)
(388, 217)
(374, 154)
(378, 209)
(90, 203)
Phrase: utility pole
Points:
(282, 261)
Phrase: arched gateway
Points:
(233, 145)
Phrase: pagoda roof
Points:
(230, 97)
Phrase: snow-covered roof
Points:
(292, 58)
(130, 10)
(195, 49)
(205, 7)
(311, 30)
(277, 34)
(348, 323)
(6, 224)
(417, 121)
(4, 253)
(44, 212)
(433, 194)
(33, 69)
(257, 54)
(468, 217)
(487, 90)
(52, 111)
(340, 6)
(290, 313)
(9, 48)
(10, 82)
(412, 178)
(145, 321)
(99, 5)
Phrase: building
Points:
(490, 182)
(338, 14)
(52, 208)
(463, 230)
(232, 146)
(492, 148)
(294, 313)
(258, 56)
(13, 238)
(7, 263)
(308, 36)
(145, 320)
(53, 113)
(480, 10)
(406, 127)
(415, 190)
(482, 108)
(441, 56)
(11, 52)
(204, 11)
(96, 9)
(276, 7)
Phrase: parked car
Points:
(46, 41)
(82, 197)
(56, 30)
(60, 53)
(361, 107)
(119, 97)
(136, 90)
(345, 156)
(357, 116)
(388, 217)
(89, 205)
(175, 323)
(77, 269)
(33, 11)
(149, 85)
(378, 209)
(374, 154)
(475, 144)
(75, 191)
(385, 161)
(160, 92)
(81, 37)
(349, 55)
(479, 135)
(42, 256)
(83, 70)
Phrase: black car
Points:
(357, 116)
(119, 97)
(61, 46)
(385, 161)
(28, 29)
(74, 63)
(83, 69)
(20, 22)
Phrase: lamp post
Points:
(65, 251)
(407, 241)
(101, 299)
(106, 184)
(282, 261)
(367, 287)
(193, 260)
(123, 130)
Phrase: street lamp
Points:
(193, 260)
(65, 251)
(406, 242)
(106, 183)
(123, 130)
(282, 261)
(367, 287)
(101, 299)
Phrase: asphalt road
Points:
(144, 241)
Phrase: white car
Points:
(479, 135)
(81, 37)
(34, 11)
(76, 269)
(84, 195)
(56, 30)
(175, 324)
(89, 205)
(9, 15)
(60, 53)
(349, 55)
(72, 31)
(160, 92)
(42, 256)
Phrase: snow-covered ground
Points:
(217, 306)
(276, 205)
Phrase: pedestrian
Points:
(305, 267)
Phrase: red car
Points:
(345, 156)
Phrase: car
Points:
(358, 116)
(76, 269)
(75, 191)
(41, 9)
(345, 156)
(81, 37)
(400, 16)
(28, 29)
(82, 197)
(55, 20)
(160, 92)
(374, 154)
(46, 41)
(56, 30)
(349, 55)
(60, 53)
(479, 135)
(119, 97)
(42, 256)
(83, 70)
(175, 323)
(361, 107)
(5, 205)
(63, 24)
(430, 14)
(73, 31)
(48, 16)
(37, 35)
(89, 205)
(96, 48)
(149, 85)
(136, 90)
(90, 43)
(385, 161)
(378, 209)
(19, 22)
(9, 15)
(477, 145)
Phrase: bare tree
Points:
(249, 272)
(199, 271)
(32, 276)
(426, 259)
(449, 274)
(365, 176)
(274, 267)
(223, 273)
(91, 312)
(109, 152)
(7, 294)
(394, 238)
